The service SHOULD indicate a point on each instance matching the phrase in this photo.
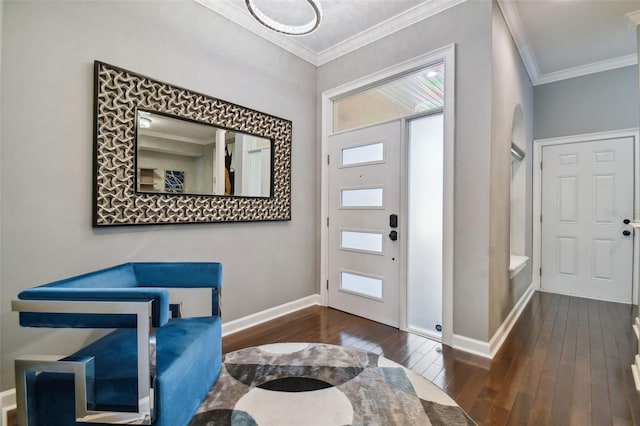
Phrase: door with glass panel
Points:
(364, 202)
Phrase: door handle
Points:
(393, 221)
(626, 221)
(626, 232)
(393, 235)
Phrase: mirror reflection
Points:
(180, 156)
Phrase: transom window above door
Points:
(419, 91)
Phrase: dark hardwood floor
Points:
(566, 362)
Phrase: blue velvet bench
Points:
(152, 369)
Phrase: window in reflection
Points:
(180, 156)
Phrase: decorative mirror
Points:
(164, 155)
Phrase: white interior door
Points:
(364, 187)
(587, 194)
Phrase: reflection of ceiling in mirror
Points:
(173, 128)
(165, 127)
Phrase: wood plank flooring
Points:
(566, 362)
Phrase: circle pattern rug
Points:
(318, 384)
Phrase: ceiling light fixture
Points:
(294, 30)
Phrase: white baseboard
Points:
(243, 323)
(635, 370)
(491, 348)
(507, 325)
(7, 403)
(472, 346)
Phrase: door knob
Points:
(393, 235)
(626, 233)
(626, 221)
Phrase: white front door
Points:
(587, 194)
(364, 188)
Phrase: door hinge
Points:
(327, 221)
(327, 284)
(327, 159)
(540, 271)
(540, 218)
(541, 165)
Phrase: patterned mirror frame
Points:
(118, 94)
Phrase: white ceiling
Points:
(346, 25)
(340, 19)
(557, 39)
(560, 39)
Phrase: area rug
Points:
(318, 384)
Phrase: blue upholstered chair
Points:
(151, 370)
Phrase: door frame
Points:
(446, 55)
(538, 144)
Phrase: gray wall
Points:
(468, 25)
(511, 88)
(46, 171)
(592, 103)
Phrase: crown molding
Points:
(385, 28)
(610, 64)
(244, 19)
(514, 22)
(634, 17)
(516, 27)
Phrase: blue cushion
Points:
(189, 360)
(185, 376)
